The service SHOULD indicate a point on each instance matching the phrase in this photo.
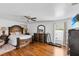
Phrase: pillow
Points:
(17, 33)
(12, 33)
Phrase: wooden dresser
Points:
(40, 37)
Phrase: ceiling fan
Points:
(30, 18)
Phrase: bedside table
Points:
(4, 37)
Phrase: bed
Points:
(17, 38)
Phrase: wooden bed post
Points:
(18, 43)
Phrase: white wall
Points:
(74, 10)
(7, 23)
(32, 26)
(48, 25)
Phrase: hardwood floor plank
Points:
(34, 49)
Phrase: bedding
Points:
(16, 32)
(13, 38)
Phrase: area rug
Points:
(6, 48)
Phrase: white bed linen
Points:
(13, 38)
(25, 36)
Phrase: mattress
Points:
(13, 38)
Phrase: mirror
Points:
(40, 29)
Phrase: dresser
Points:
(40, 37)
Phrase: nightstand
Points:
(5, 38)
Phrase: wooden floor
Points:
(37, 49)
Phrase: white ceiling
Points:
(43, 11)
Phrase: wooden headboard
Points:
(15, 28)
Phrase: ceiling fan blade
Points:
(29, 18)
(33, 20)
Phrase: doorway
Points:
(59, 35)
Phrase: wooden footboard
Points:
(22, 43)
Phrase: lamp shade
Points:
(3, 28)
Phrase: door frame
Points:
(65, 32)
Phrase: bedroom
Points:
(35, 23)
